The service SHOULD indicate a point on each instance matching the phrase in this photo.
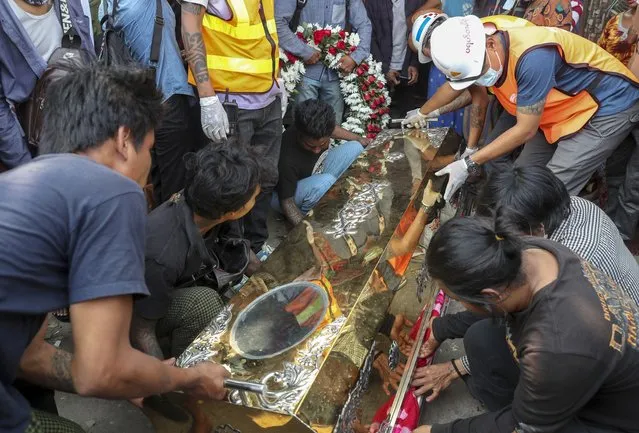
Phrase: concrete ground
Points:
(105, 416)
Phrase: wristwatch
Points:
(472, 167)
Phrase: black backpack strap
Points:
(295, 21)
(156, 42)
(70, 37)
(347, 18)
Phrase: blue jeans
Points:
(327, 91)
(311, 189)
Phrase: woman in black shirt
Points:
(572, 331)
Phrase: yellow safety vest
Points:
(242, 54)
(563, 114)
(505, 22)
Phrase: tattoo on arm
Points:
(477, 116)
(196, 56)
(61, 371)
(45, 365)
(192, 8)
(194, 48)
(461, 101)
(535, 109)
(143, 336)
(292, 212)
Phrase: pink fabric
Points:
(409, 416)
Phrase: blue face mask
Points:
(491, 76)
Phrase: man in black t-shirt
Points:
(195, 249)
(72, 230)
(307, 167)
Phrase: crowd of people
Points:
(199, 119)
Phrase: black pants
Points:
(260, 131)
(38, 397)
(494, 371)
(173, 139)
(494, 377)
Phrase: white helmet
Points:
(458, 49)
(422, 29)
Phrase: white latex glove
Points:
(283, 96)
(467, 152)
(415, 119)
(215, 122)
(457, 174)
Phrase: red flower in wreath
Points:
(341, 45)
(332, 50)
(342, 34)
(353, 48)
(300, 35)
(318, 36)
(291, 58)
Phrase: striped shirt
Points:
(591, 234)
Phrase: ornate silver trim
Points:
(291, 383)
(436, 136)
(348, 415)
(202, 347)
(393, 355)
(356, 210)
(394, 156)
(288, 386)
(310, 357)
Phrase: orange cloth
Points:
(563, 115)
(333, 311)
(400, 263)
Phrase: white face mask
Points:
(491, 76)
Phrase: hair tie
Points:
(499, 238)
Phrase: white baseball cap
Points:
(458, 49)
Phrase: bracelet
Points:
(452, 361)
(426, 208)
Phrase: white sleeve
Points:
(204, 3)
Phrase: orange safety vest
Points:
(563, 114)
(242, 54)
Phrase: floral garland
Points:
(364, 89)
